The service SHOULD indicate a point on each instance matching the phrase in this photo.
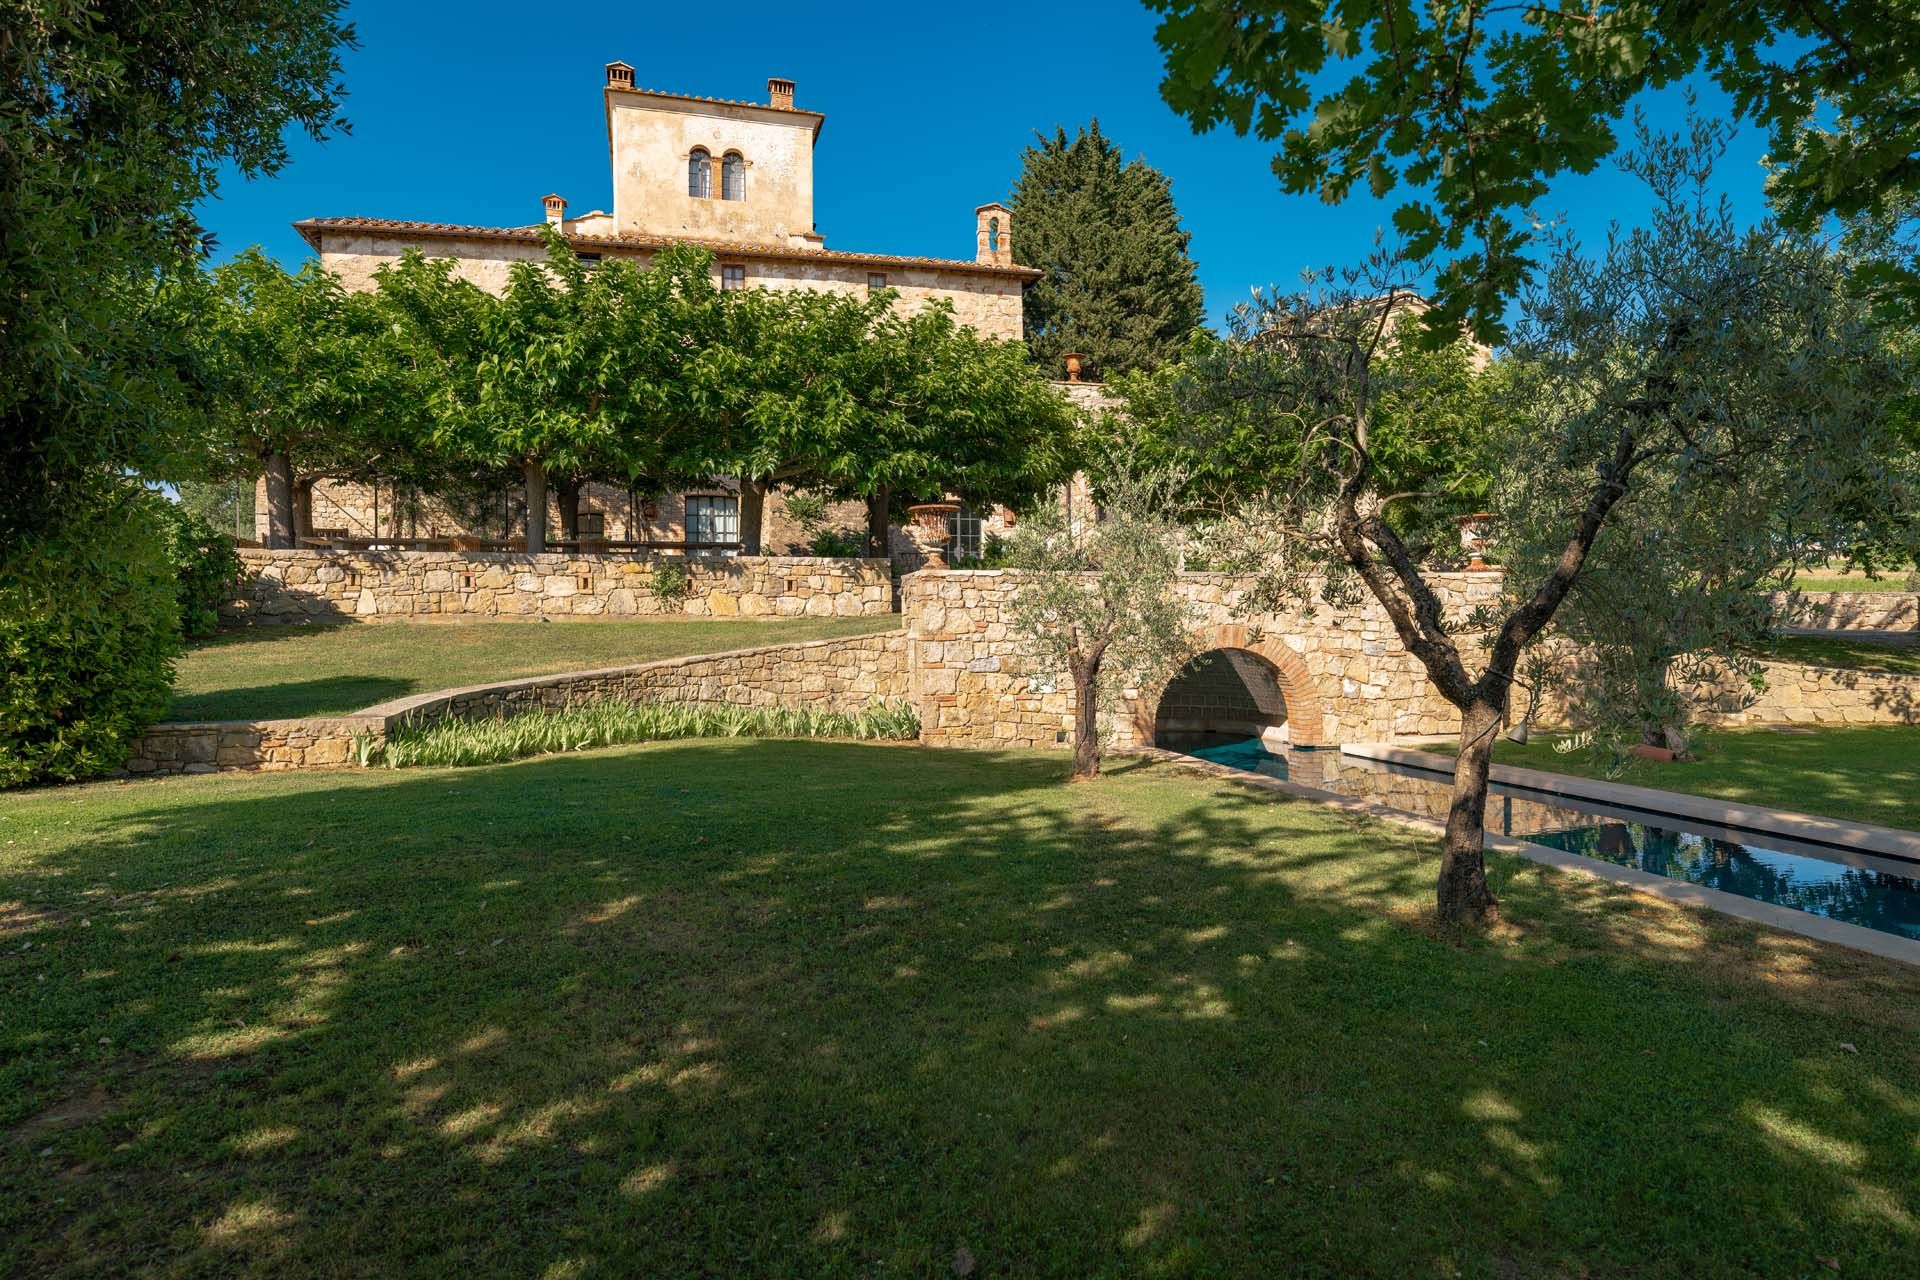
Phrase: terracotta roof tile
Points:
(311, 229)
(701, 97)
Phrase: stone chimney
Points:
(556, 209)
(993, 235)
(780, 93)
(619, 76)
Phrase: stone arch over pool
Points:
(1304, 715)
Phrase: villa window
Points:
(713, 517)
(876, 280)
(733, 177)
(700, 174)
(733, 276)
(967, 540)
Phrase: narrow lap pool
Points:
(1826, 880)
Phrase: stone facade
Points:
(845, 675)
(1344, 676)
(1853, 611)
(331, 586)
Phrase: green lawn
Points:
(1869, 774)
(1892, 580)
(765, 1008)
(268, 673)
(1831, 651)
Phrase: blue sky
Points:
(471, 112)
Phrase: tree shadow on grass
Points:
(751, 1007)
(285, 700)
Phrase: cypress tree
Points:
(1118, 284)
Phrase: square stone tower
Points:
(711, 169)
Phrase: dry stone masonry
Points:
(334, 586)
(1853, 611)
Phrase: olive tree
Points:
(1101, 601)
(1685, 352)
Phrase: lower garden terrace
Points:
(841, 1007)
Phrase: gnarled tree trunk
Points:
(279, 473)
(1463, 890)
(536, 478)
(1084, 667)
(753, 510)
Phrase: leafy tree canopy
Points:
(1118, 285)
(115, 121)
(1476, 105)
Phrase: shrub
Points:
(605, 724)
(838, 542)
(89, 627)
(207, 569)
(671, 582)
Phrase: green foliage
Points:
(226, 505)
(604, 724)
(671, 582)
(206, 568)
(89, 627)
(837, 543)
(116, 122)
(1099, 600)
(1118, 285)
(1476, 107)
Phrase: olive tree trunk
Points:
(1463, 890)
(1084, 666)
(536, 478)
(279, 473)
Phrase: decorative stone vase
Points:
(929, 530)
(1076, 360)
(1476, 531)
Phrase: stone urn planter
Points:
(1476, 530)
(929, 530)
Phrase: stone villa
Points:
(734, 177)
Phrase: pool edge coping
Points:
(1803, 924)
(1861, 837)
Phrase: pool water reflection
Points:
(1877, 893)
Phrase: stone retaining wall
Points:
(844, 675)
(1830, 695)
(335, 586)
(1344, 674)
(1853, 611)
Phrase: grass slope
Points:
(1855, 655)
(267, 673)
(1869, 774)
(755, 1008)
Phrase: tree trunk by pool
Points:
(1463, 892)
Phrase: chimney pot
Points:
(556, 209)
(780, 93)
(619, 76)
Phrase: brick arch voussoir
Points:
(1306, 717)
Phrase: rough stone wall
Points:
(252, 746)
(1345, 676)
(1855, 611)
(313, 586)
(1830, 695)
(845, 675)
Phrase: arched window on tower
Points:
(700, 174)
(993, 235)
(733, 176)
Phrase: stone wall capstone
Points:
(335, 586)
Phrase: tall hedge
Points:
(89, 628)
